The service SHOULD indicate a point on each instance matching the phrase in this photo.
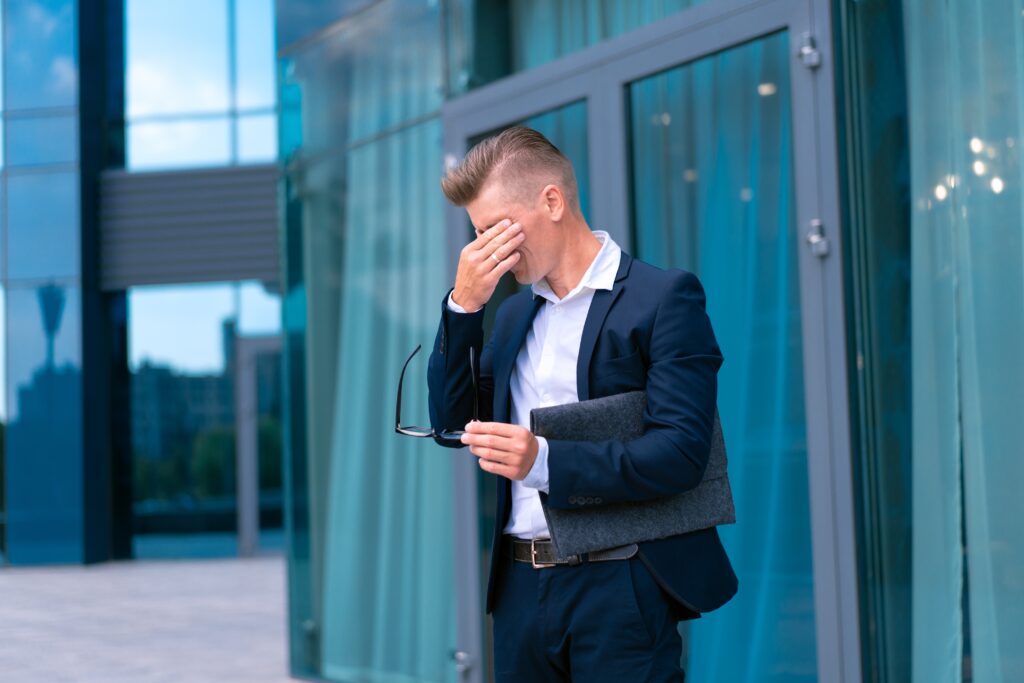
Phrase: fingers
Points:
(490, 441)
(490, 233)
(509, 240)
(507, 249)
(497, 468)
(500, 428)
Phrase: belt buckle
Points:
(533, 556)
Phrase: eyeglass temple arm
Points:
(476, 390)
(401, 379)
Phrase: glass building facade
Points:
(882, 550)
(119, 427)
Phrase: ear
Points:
(554, 202)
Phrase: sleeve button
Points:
(572, 500)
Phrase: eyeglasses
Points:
(449, 435)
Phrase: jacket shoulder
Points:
(650, 275)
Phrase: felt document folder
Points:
(597, 527)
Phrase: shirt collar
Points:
(600, 274)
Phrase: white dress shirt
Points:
(545, 374)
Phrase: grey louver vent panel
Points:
(175, 227)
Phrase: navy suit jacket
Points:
(650, 331)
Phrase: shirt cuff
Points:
(452, 306)
(537, 478)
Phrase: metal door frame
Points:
(600, 75)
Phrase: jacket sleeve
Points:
(673, 452)
(449, 383)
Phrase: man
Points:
(595, 322)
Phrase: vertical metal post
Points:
(247, 473)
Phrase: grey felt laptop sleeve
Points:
(598, 527)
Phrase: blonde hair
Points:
(523, 160)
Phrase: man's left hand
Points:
(505, 449)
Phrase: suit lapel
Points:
(599, 307)
(506, 360)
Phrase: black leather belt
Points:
(540, 553)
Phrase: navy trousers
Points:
(599, 621)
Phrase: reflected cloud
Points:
(156, 89)
(64, 76)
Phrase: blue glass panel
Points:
(179, 144)
(44, 434)
(181, 355)
(259, 310)
(2, 51)
(257, 138)
(254, 54)
(3, 428)
(382, 68)
(176, 57)
(713, 193)
(290, 125)
(369, 291)
(182, 342)
(299, 18)
(47, 140)
(42, 70)
(42, 225)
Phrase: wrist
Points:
(464, 302)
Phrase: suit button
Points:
(572, 500)
(597, 501)
(590, 500)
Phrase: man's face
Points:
(535, 253)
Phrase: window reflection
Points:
(183, 349)
(41, 69)
(179, 144)
(254, 54)
(374, 74)
(191, 99)
(42, 211)
(45, 140)
(44, 383)
(176, 57)
(257, 138)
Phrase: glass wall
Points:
(876, 220)
(366, 267)
(200, 83)
(39, 192)
(183, 343)
(490, 40)
(965, 74)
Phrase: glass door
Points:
(712, 192)
(710, 147)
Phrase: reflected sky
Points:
(176, 56)
(40, 64)
(42, 211)
(178, 65)
(180, 326)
